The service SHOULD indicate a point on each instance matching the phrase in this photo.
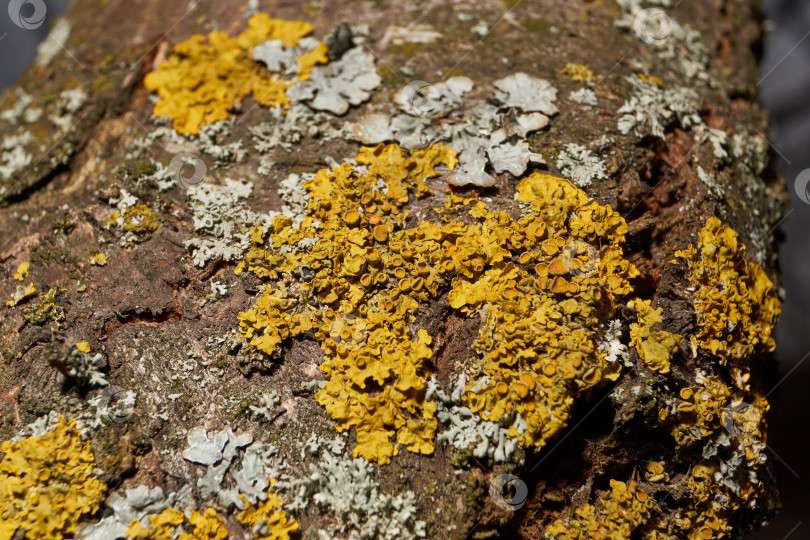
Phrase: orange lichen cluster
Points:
(655, 347)
(578, 72)
(165, 526)
(546, 281)
(206, 76)
(367, 275)
(697, 413)
(617, 513)
(138, 221)
(22, 271)
(46, 485)
(735, 300)
(267, 519)
(709, 414)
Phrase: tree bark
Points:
(166, 334)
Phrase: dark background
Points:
(785, 92)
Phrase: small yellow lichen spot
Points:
(617, 513)
(99, 259)
(46, 484)
(22, 293)
(161, 526)
(656, 472)
(267, 519)
(655, 348)
(578, 72)
(83, 346)
(650, 79)
(139, 221)
(207, 75)
(207, 526)
(309, 59)
(735, 300)
(22, 271)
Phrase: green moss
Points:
(46, 308)
(536, 25)
(101, 84)
(406, 49)
(64, 226)
(391, 78)
(144, 167)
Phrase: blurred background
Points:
(785, 92)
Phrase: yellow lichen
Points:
(83, 346)
(46, 308)
(546, 280)
(656, 472)
(21, 294)
(99, 259)
(267, 519)
(735, 300)
(138, 221)
(651, 79)
(697, 412)
(617, 513)
(539, 341)
(161, 526)
(578, 72)
(46, 485)
(22, 271)
(207, 525)
(206, 76)
(368, 278)
(167, 525)
(655, 348)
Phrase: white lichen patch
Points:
(55, 42)
(413, 33)
(609, 342)
(69, 103)
(714, 189)
(266, 409)
(21, 104)
(487, 136)
(750, 151)
(651, 109)
(580, 165)
(85, 368)
(373, 128)
(134, 505)
(12, 161)
(527, 93)
(344, 491)
(287, 128)
(336, 86)
(465, 430)
(281, 59)
(584, 96)
(471, 169)
(222, 221)
(672, 42)
(419, 98)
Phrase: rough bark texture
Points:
(152, 314)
